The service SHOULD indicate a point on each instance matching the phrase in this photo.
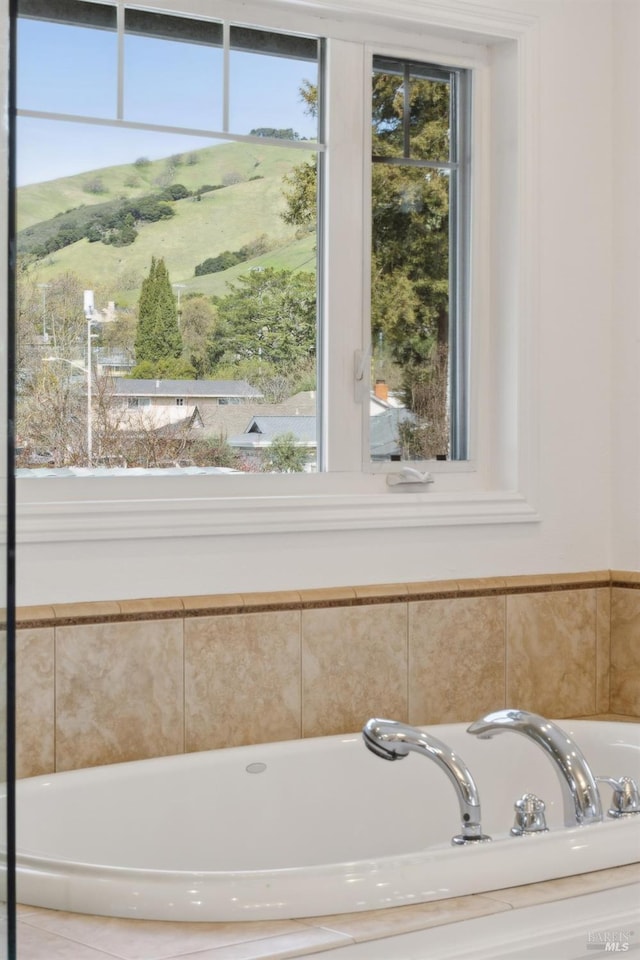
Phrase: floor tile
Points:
(276, 948)
(37, 944)
(154, 940)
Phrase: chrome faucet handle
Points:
(393, 740)
(530, 816)
(626, 796)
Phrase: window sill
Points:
(131, 518)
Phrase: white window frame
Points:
(497, 485)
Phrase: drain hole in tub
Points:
(256, 768)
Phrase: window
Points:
(249, 311)
(177, 209)
(420, 217)
(321, 308)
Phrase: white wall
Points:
(625, 320)
(573, 391)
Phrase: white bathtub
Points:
(305, 828)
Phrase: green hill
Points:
(246, 207)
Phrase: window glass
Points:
(173, 70)
(198, 270)
(201, 253)
(68, 66)
(411, 111)
(416, 260)
(273, 81)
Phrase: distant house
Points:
(237, 412)
(112, 363)
(184, 393)
(154, 404)
(384, 434)
(297, 416)
(233, 420)
(262, 430)
(386, 414)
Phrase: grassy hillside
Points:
(41, 201)
(293, 255)
(223, 219)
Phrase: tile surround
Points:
(35, 701)
(603, 650)
(354, 665)
(242, 679)
(151, 677)
(470, 680)
(138, 678)
(118, 692)
(625, 649)
(551, 652)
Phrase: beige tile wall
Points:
(625, 647)
(113, 682)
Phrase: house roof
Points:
(186, 388)
(230, 420)
(383, 432)
(303, 428)
(263, 430)
(296, 415)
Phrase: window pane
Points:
(68, 66)
(273, 84)
(172, 71)
(411, 111)
(420, 190)
(410, 314)
(234, 337)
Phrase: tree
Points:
(280, 133)
(169, 368)
(118, 336)
(52, 418)
(284, 455)
(197, 321)
(157, 334)
(301, 195)
(214, 452)
(270, 316)
(122, 235)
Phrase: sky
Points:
(73, 70)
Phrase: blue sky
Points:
(69, 69)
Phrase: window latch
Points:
(409, 475)
(361, 359)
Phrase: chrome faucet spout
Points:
(580, 796)
(393, 740)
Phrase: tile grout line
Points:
(55, 698)
(301, 675)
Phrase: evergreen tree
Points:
(144, 328)
(269, 316)
(157, 333)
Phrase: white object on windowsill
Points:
(409, 475)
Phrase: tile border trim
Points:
(166, 608)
